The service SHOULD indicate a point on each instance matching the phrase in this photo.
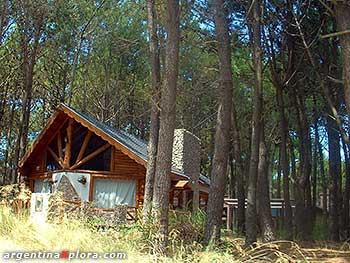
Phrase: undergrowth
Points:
(185, 240)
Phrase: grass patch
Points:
(185, 241)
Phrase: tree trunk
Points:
(264, 209)
(322, 171)
(222, 134)
(293, 168)
(251, 219)
(7, 171)
(324, 181)
(287, 216)
(314, 173)
(334, 175)
(167, 126)
(232, 178)
(29, 56)
(342, 11)
(347, 200)
(279, 175)
(3, 101)
(239, 172)
(302, 189)
(346, 195)
(154, 129)
(3, 17)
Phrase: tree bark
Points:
(264, 209)
(154, 126)
(239, 171)
(302, 189)
(3, 18)
(279, 175)
(314, 172)
(29, 57)
(322, 170)
(7, 171)
(287, 216)
(167, 126)
(222, 133)
(334, 175)
(342, 11)
(232, 178)
(251, 219)
(293, 168)
(346, 194)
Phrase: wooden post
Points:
(67, 156)
(111, 168)
(229, 217)
(84, 145)
(59, 145)
(234, 217)
(55, 157)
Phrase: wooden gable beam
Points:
(104, 136)
(54, 155)
(68, 152)
(83, 147)
(59, 145)
(39, 140)
(90, 156)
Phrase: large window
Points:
(41, 186)
(109, 193)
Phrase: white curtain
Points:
(41, 187)
(108, 193)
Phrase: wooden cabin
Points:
(95, 162)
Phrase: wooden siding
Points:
(125, 166)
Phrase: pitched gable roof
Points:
(136, 145)
(133, 147)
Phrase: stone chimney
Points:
(186, 157)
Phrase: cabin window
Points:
(52, 165)
(109, 193)
(99, 163)
(41, 186)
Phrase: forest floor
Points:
(17, 233)
(326, 252)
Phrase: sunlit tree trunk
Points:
(264, 209)
(222, 134)
(154, 126)
(29, 53)
(283, 126)
(239, 171)
(166, 127)
(302, 188)
(251, 213)
(342, 11)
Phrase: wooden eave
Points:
(104, 136)
(39, 140)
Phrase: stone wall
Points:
(68, 190)
(186, 157)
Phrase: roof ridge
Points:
(108, 126)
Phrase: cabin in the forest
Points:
(91, 161)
